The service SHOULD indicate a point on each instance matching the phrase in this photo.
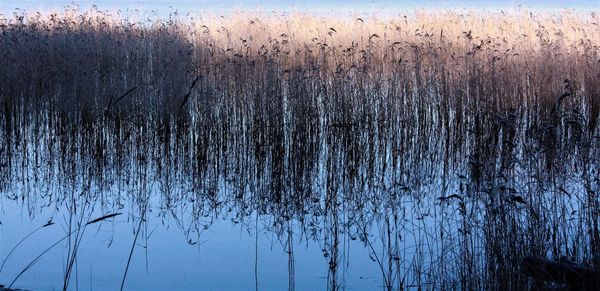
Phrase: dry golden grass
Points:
(502, 57)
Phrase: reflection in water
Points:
(406, 170)
(424, 216)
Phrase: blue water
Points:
(222, 257)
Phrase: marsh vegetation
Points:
(449, 145)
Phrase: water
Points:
(223, 258)
(330, 212)
(224, 162)
(195, 240)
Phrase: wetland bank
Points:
(433, 150)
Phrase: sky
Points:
(194, 6)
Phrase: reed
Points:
(452, 145)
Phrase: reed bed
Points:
(451, 144)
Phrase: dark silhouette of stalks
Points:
(187, 95)
(49, 223)
(111, 103)
(449, 144)
(137, 233)
(67, 236)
